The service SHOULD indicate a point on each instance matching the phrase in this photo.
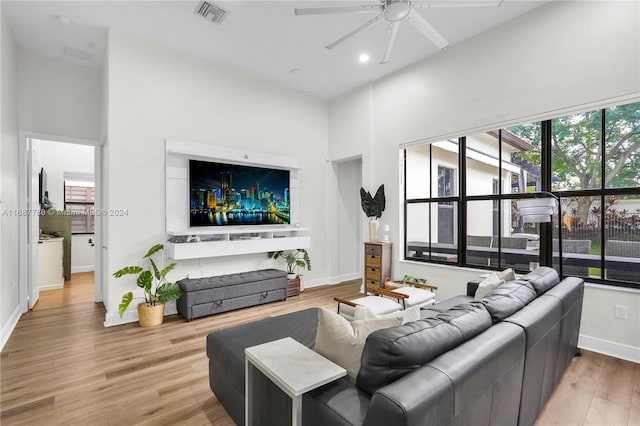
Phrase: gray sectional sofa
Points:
(489, 362)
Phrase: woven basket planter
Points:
(150, 315)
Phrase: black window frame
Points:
(546, 229)
(78, 203)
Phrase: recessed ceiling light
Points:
(363, 58)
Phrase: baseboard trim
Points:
(331, 280)
(8, 328)
(617, 350)
(52, 286)
(113, 318)
(86, 268)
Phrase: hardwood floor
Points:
(62, 367)
(595, 390)
(79, 289)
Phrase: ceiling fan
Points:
(392, 12)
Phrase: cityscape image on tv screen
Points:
(227, 194)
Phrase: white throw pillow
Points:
(342, 341)
(487, 285)
(507, 275)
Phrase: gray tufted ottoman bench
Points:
(212, 295)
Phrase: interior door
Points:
(34, 223)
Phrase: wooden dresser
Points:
(377, 264)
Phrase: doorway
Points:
(61, 257)
(348, 230)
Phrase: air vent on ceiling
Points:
(81, 55)
(210, 11)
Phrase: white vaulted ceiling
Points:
(260, 38)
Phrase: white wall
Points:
(9, 302)
(82, 253)
(496, 79)
(59, 98)
(58, 158)
(157, 93)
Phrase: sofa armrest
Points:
(423, 285)
(425, 396)
(345, 301)
(389, 293)
(472, 287)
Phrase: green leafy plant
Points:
(152, 280)
(373, 206)
(298, 259)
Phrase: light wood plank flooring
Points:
(62, 367)
(79, 289)
(595, 390)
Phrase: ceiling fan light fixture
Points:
(393, 12)
(396, 10)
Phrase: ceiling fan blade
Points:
(363, 8)
(388, 45)
(425, 28)
(456, 3)
(367, 24)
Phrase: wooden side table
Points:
(377, 264)
(293, 367)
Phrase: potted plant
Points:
(298, 259)
(373, 208)
(157, 290)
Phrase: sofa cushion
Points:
(391, 353)
(225, 349)
(342, 341)
(339, 403)
(447, 304)
(508, 298)
(542, 279)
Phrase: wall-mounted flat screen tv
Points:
(229, 194)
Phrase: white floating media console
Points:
(237, 242)
(185, 242)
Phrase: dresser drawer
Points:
(371, 284)
(372, 250)
(373, 260)
(374, 273)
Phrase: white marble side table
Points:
(293, 367)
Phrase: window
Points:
(78, 201)
(590, 161)
(431, 213)
(446, 179)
